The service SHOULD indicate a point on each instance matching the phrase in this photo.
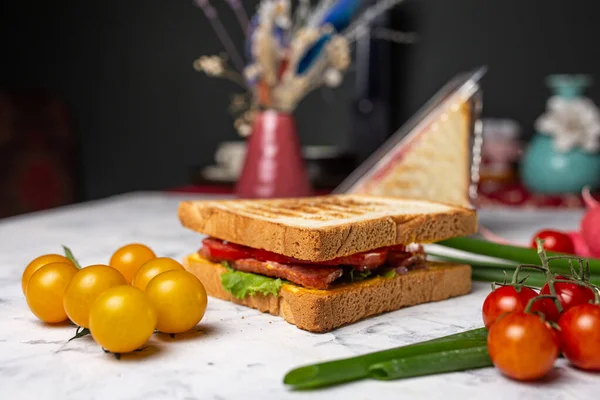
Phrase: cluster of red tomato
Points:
(121, 304)
(524, 343)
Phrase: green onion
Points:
(356, 368)
(467, 259)
(536, 278)
(497, 271)
(521, 255)
(420, 365)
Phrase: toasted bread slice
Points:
(325, 310)
(323, 228)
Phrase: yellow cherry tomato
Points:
(153, 268)
(39, 263)
(122, 319)
(179, 299)
(85, 287)
(128, 259)
(46, 290)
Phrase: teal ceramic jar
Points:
(544, 168)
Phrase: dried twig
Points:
(240, 13)
(213, 18)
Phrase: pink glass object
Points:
(274, 167)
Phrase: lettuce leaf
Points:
(357, 276)
(241, 284)
(389, 273)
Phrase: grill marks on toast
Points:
(327, 227)
(324, 209)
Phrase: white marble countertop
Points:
(239, 353)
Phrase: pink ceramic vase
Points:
(274, 167)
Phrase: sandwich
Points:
(324, 262)
(432, 164)
(435, 155)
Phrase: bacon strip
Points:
(311, 277)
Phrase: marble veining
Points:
(235, 352)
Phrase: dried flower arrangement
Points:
(290, 53)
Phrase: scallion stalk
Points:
(420, 365)
(498, 271)
(356, 368)
(521, 255)
(536, 278)
(468, 259)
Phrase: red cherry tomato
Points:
(554, 241)
(522, 346)
(569, 295)
(580, 336)
(506, 299)
(218, 250)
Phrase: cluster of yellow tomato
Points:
(121, 303)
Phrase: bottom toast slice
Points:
(324, 310)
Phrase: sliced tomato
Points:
(397, 248)
(219, 250)
(264, 255)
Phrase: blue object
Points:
(311, 55)
(339, 17)
(545, 170)
(340, 14)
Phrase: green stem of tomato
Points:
(520, 283)
(596, 296)
(516, 275)
(537, 298)
(70, 256)
(549, 277)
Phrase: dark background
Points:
(144, 116)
